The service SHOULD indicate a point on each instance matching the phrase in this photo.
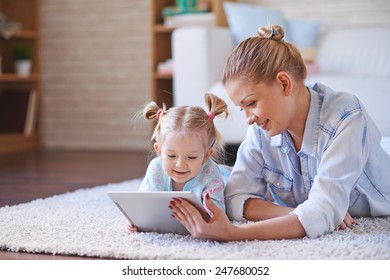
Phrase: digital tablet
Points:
(149, 211)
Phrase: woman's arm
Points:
(282, 227)
(220, 228)
(278, 225)
(259, 209)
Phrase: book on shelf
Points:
(32, 114)
(8, 26)
(18, 112)
(181, 10)
(190, 19)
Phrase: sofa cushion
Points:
(303, 33)
(373, 93)
(362, 52)
(245, 19)
(198, 54)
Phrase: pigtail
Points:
(152, 112)
(216, 108)
(216, 105)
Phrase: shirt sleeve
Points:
(341, 163)
(214, 183)
(246, 180)
(154, 177)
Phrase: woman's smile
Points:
(264, 124)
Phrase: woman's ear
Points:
(284, 80)
(157, 148)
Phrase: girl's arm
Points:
(213, 182)
(154, 179)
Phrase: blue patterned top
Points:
(211, 179)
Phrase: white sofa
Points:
(350, 60)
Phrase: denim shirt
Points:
(341, 166)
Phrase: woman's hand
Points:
(348, 222)
(217, 228)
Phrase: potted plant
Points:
(22, 57)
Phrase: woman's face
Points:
(266, 104)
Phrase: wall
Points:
(96, 62)
(95, 72)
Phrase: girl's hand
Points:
(130, 228)
(217, 228)
(348, 222)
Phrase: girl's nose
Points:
(180, 162)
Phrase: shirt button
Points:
(278, 184)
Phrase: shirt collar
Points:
(312, 126)
(282, 140)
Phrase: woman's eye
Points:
(171, 156)
(251, 104)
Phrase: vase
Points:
(23, 67)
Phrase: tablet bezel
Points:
(149, 211)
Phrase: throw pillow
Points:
(303, 33)
(245, 19)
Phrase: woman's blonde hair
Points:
(189, 119)
(261, 58)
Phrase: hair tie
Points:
(158, 113)
(211, 115)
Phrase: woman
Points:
(311, 157)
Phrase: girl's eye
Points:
(192, 157)
(171, 156)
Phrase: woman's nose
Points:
(250, 119)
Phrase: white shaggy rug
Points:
(87, 223)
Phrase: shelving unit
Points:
(25, 12)
(162, 87)
(162, 83)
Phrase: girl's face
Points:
(182, 156)
(267, 105)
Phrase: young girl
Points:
(188, 145)
(316, 150)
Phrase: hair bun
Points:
(275, 32)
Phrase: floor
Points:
(27, 176)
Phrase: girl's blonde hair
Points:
(189, 119)
(261, 58)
